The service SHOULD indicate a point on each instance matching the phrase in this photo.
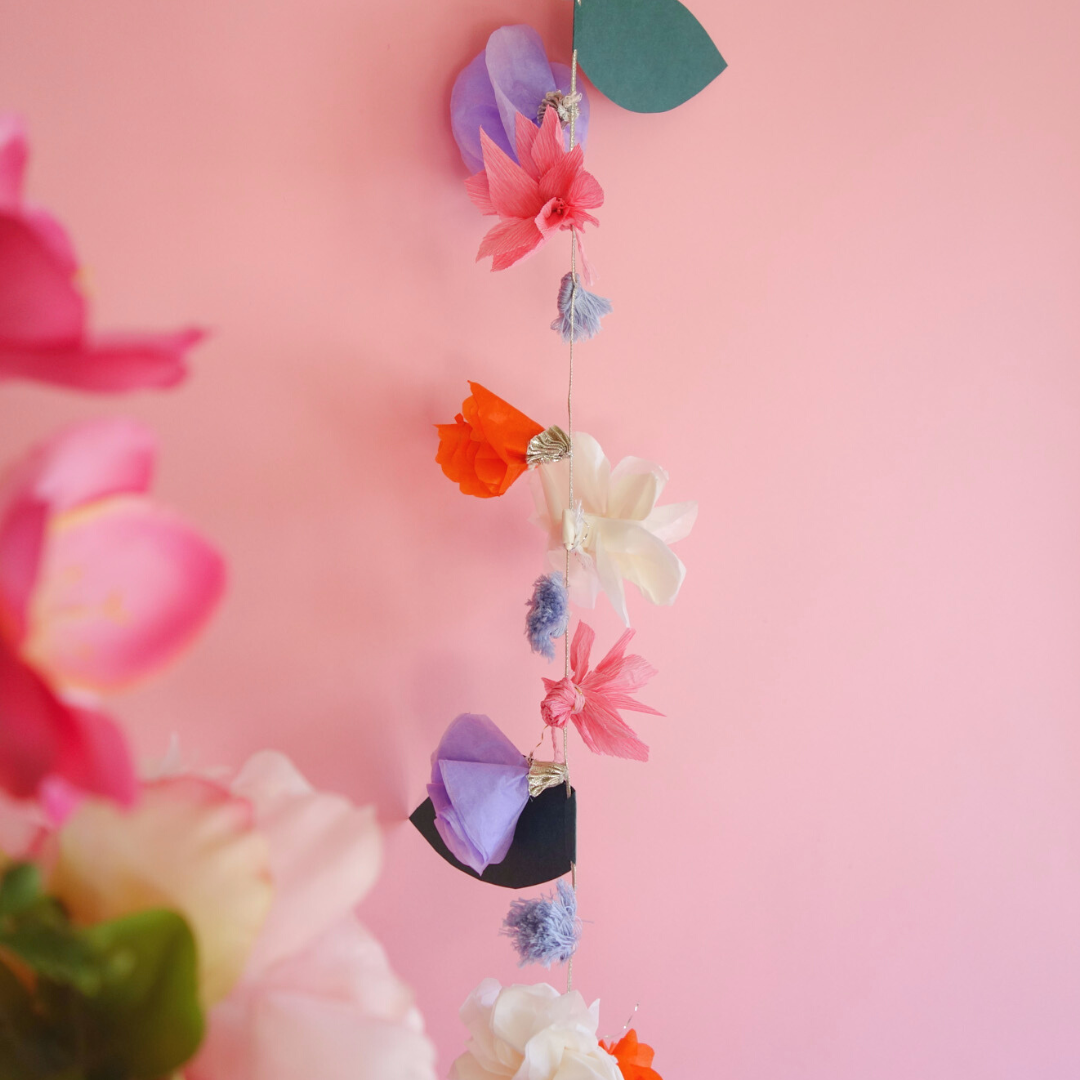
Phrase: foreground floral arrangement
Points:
(196, 927)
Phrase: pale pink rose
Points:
(317, 998)
(43, 317)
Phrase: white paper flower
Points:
(619, 532)
(531, 1033)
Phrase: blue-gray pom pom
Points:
(546, 619)
(545, 931)
(589, 309)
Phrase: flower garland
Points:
(520, 123)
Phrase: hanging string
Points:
(570, 432)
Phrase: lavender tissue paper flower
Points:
(479, 786)
(512, 75)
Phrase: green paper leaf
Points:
(646, 55)
(146, 1018)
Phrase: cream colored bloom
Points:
(615, 531)
(531, 1033)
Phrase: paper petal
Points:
(636, 485)
(644, 560)
(472, 107)
(520, 73)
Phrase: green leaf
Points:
(646, 55)
(20, 888)
(146, 1019)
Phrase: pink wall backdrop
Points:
(846, 283)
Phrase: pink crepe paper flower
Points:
(548, 191)
(592, 699)
(43, 316)
(99, 587)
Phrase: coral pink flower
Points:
(98, 587)
(548, 191)
(317, 997)
(592, 699)
(43, 331)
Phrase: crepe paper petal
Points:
(646, 55)
(588, 310)
(484, 450)
(592, 699)
(124, 586)
(334, 1011)
(325, 855)
(548, 614)
(547, 191)
(546, 930)
(512, 75)
(544, 845)
(635, 1058)
(479, 786)
(533, 1032)
(44, 334)
(624, 536)
(188, 845)
(44, 740)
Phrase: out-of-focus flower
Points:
(189, 845)
(50, 748)
(592, 699)
(483, 451)
(317, 997)
(635, 1059)
(550, 190)
(512, 75)
(616, 530)
(531, 1032)
(479, 786)
(98, 586)
(43, 316)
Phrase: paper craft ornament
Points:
(646, 55)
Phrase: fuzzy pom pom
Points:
(545, 931)
(547, 617)
(589, 309)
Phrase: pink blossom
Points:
(98, 587)
(548, 191)
(592, 699)
(43, 315)
(317, 997)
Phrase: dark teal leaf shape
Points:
(646, 55)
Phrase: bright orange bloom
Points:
(483, 451)
(634, 1058)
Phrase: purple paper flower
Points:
(479, 786)
(512, 75)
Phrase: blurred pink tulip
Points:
(98, 586)
(43, 317)
(317, 998)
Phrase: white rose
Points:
(531, 1033)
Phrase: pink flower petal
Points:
(13, 154)
(41, 737)
(511, 237)
(548, 149)
(580, 648)
(525, 136)
(514, 193)
(480, 193)
(39, 305)
(22, 540)
(123, 587)
(334, 1012)
(324, 855)
(188, 845)
(110, 363)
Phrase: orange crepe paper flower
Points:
(483, 451)
(634, 1058)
